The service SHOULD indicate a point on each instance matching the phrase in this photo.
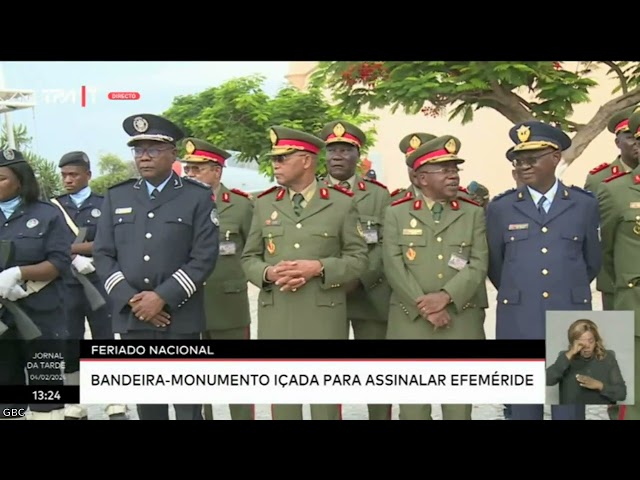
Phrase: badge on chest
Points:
(227, 246)
(370, 233)
(458, 260)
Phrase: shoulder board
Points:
(376, 182)
(342, 190)
(126, 182)
(268, 190)
(240, 192)
(463, 189)
(599, 168)
(468, 200)
(400, 201)
(581, 190)
(193, 181)
(397, 191)
(615, 175)
(506, 192)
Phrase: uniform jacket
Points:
(539, 264)
(168, 245)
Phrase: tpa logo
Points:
(61, 96)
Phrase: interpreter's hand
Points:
(590, 383)
(576, 347)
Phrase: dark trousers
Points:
(558, 412)
(77, 308)
(37, 362)
(161, 412)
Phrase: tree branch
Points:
(620, 73)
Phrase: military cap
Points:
(412, 141)
(199, 151)
(509, 154)
(439, 150)
(619, 121)
(536, 135)
(343, 132)
(634, 124)
(9, 156)
(286, 140)
(74, 158)
(146, 126)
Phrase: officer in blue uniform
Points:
(31, 279)
(543, 245)
(156, 244)
(81, 208)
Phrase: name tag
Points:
(121, 211)
(518, 226)
(371, 236)
(634, 205)
(227, 248)
(457, 262)
(415, 232)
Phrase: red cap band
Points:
(212, 156)
(621, 125)
(345, 136)
(428, 156)
(297, 143)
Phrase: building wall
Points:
(484, 141)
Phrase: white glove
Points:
(9, 278)
(16, 293)
(84, 265)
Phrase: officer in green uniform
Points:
(368, 296)
(226, 298)
(625, 162)
(619, 197)
(436, 260)
(305, 245)
(408, 144)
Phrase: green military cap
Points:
(439, 150)
(619, 121)
(343, 132)
(412, 141)
(287, 140)
(199, 151)
(9, 156)
(634, 124)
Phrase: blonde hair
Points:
(580, 327)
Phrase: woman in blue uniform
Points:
(31, 278)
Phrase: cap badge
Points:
(414, 142)
(8, 154)
(524, 132)
(450, 146)
(338, 130)
(190, 147)
(140, 124)
(273, 136)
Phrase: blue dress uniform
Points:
(541, 260)
(39, 234)
(166, 243)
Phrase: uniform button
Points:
(440, 275)
(585, 301)
(296, 245)
(440, 257)
(439, 239)
(148, 235)
(150, 215)
(204, 283)
(298, 225)
(411, 244)
(119, 220)
(147, 258)
(545, 229)
(505, 301)
(544, 250)
(630, 285)
(146, 280)
(179, 219)
(575, 238)
(6, 224)
(637, 217)
(88, 221)
(545, 294)
(545, 271)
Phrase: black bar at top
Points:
(314, 349)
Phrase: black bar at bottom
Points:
(20, 394)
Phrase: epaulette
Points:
(500, 195)
(615, 175)
(124, 182)
(599, 168)
(401, 200)
(468, 200)
(371, 180)
(463, 189)
(342, 189)
(197, 182)
(582, 190)
(240, 192)
(269, 190)
(396, 191)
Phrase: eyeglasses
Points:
(528, 160)
(153, 152)
(445, 170)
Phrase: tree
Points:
(520, 91)
(46, 171)
(114, 170)
(236, 116)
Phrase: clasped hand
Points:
(290, 275)
(432, 307)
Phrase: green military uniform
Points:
(323, 224)
(226, 299)
(368, 305)
(617, 124)
(619, 198)
(424, 254)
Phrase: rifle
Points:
(27, 329)
(96, 300)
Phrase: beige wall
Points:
(484, 141)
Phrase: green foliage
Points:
(236, 116)
(114, 170)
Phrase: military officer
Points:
(226, 297)
(543, 244)
(619, 197)
(156, 244)
(435, 257)
(368, 296)
(407, 145)
(625, 161)
(80, 207)
(306, 244)
(31, 278)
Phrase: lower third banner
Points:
(258, 372)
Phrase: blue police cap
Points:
(509, 154)
(74, 158)
(10, 156)
(146, 126)
(536, 135)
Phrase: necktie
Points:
(541, 205)
(345, 184)
(154, 194)
(436, 211)
(297, 203)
